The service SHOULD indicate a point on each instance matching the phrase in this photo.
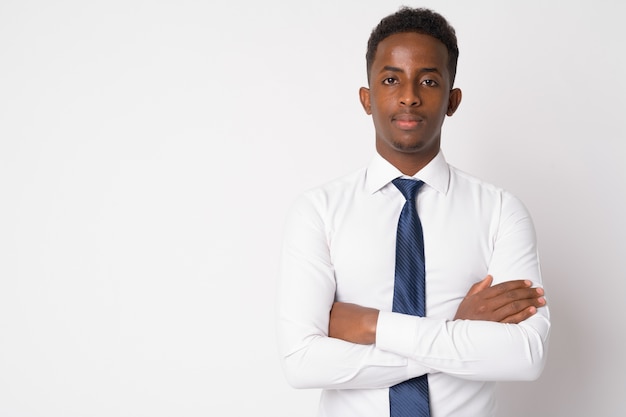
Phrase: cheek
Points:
(381, 106)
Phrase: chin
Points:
(408, 147)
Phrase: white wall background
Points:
(149, 151)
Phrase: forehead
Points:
(411, 47)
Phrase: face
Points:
(409, 96)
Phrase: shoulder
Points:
(485, 193)
(335, 190)
(462, 180)
(318, 201)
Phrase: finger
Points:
(519, 306)
(507, 304)
(513, 296)
(481, 285)
(520, 316)
(507, 286)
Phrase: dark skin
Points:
(409, 97)
(507, 302)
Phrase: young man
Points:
(483, 316)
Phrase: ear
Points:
(453, 101)
(364, 96)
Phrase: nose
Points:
(409, 96)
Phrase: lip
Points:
(407, 121)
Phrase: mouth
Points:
(406, 121)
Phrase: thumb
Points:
(481, 285)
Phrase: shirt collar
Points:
(380, 173)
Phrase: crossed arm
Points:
(353, 357)
(499, 332)
(507, 302)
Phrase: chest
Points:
(458, 243)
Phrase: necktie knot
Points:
(407, 187)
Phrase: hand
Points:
(507, 302)
(353, 323)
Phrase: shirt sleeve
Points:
(481, 350)
(306, 293)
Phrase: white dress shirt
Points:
(340, 246)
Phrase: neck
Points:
(409, 163)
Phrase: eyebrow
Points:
(392, 69)
(396, 69)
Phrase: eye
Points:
(390, 81)
(430, 83)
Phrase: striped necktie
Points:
(409, 398)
